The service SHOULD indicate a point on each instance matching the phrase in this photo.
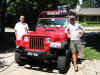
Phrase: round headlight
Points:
(48, 40)
(26, 39)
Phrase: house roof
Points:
(89, 11)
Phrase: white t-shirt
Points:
(21, 29)
(74, 30)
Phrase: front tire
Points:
(18, 59)
(62, 64)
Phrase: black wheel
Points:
(18, 59)
(62, 64)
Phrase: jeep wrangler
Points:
(48, 43)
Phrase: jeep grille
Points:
(36, 42)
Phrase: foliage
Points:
(87, 4)
(10, 10)
(97, 3)
(91, 4)
(70, 3)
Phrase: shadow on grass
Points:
(93, 40)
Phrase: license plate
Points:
(32, 54)
(29, 53)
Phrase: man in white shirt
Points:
(75, 32)
(21, 28)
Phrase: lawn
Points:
(89, 24)
(92, 46)
(91, 53)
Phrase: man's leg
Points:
(77, 49)
(77, 54)
(74, 55)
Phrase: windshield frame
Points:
(59, 26)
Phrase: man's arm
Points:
(82, 30)
(67, 35)
(81, 33)
(15, 28)
(67, 32)
(27, 28)
(16, 34)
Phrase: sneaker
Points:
(76, 69)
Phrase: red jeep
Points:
(47, 44)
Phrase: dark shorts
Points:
(75, 45)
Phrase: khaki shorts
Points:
(75, 45)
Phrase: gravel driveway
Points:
(87, 67)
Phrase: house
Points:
(89, 15)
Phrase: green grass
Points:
(91, 53)
(90, 24)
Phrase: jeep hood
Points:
(49, 32)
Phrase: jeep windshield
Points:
(53, 22)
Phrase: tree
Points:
(30, 8)
(88, 4)
(10, 10)
(97, 3)
(70, 3)
(3, 10)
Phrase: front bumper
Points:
(38, 54)
(55, 50)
